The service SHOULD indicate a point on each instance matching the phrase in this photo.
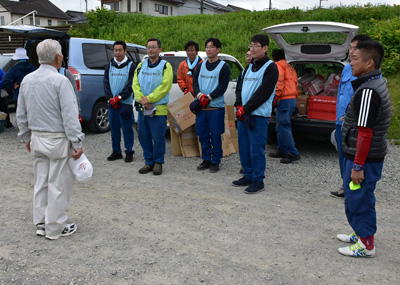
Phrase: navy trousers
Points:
(360, 204)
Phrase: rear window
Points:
(174, 61)
(323, 69)
(95, 56)
(322, 38)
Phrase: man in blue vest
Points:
(151, 85)
(118, 76)
(254, 96)
(364, 144)
(210, 82)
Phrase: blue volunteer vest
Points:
(151, 78)
(251, 82)
(118, 78)
(62, 71)
(208, 81)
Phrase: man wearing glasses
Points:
(210, 82)
(254, 96)
(151, 85)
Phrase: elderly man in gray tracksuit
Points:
(48, 122)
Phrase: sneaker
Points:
(157, 170)
(40, 230)
(114, 156)
(146, 169)
(357, 250)
(289, 158)
(204, 165)
(339, 193)
(255, 187)
(67, 231)
(241, 182)
(348, 238)
(129, 156)
(214, 168)
(277, 154)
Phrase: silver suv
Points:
(319, 48)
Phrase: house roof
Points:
(237, 8)
(217, 6)
(44, 8)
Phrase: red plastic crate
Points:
(322, 107)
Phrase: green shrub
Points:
(235, 29)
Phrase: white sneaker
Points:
(40, 230)
(68, 230)
(348, 238)
(357, 250)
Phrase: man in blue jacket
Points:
(13, 78)
(118, 77)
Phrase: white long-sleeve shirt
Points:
(47, 103)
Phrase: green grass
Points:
(393, 83)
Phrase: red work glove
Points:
(185, 91)
(204, 101)
(80, 119)
(239, 112)
(114, 101)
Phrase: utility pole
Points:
(270, 5)
(201, 6)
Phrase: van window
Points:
(235, 69)
(95, 55)
(174, 61)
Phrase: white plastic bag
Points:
(82, 168)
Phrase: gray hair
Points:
(47, 51)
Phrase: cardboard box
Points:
(227, 140)
(315, 86)
(302, 104)
(230, 112)
(189, 143)
(322, 107)
(179, 115)
(175, 143)
(186, 142)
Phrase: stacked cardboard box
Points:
(184, 139)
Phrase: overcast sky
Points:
(80, 5)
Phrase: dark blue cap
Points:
(195, 107)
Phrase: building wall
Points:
(40, 21)
(149, 7)
(6, 18)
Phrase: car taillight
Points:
(77, 77)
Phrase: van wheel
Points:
(100, 122)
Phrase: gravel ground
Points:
(191, 227)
